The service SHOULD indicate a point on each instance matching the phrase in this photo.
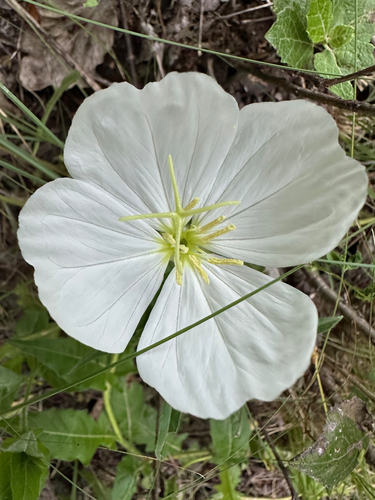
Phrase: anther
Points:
(192, 204)
(178, 278)
(219, 261)
(198, 266)
(212, 224)
(212, 236)
(168, 237)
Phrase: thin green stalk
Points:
(68, 387)
(31, 115)
(12, 201)
(111, 416)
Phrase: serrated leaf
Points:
(61, 356)
(22, 477)
(325, 62)
(279, 5)
(230, 438)
(70, 434)
(326, 324)
(319, 20)
(340, 35)
(335, 453)
(26, 443)
(347, 57)
(289, 37)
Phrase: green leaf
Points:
(137, 420)
(22, 476)
(340, 35)
(32, 321)
(366, 294)
(230, 438)
(319, 20)
(91, 3)
(288, 36)
(61, 356)
(280, 5)
(126, 478)
(335, 453)
(229, 479)
(10, 383)
(164, 421)
(325, 62)
(70, 434)
(168, 425)
(27, 443)
(326, 324)
(344, 13)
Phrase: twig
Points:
(321, 286)
(330, 100)
(282, 467)
(328, 82)
(129, 45)
(55, 45)
(245, 11)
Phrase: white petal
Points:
(299, 193)
(255, 350)
(95, 275)
(121, 138)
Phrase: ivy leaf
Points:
(288, 36)
(230, 438)
(70, 434)
(326, 324)
(22, 476)
(325, 62)
(335, 453)
(340, 35)
(319, 20)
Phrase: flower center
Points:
(185, 242)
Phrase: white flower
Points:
(276, 173)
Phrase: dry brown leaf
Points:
(87, 45)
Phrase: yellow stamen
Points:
(198, 266)
(184, 249)
(212, 236)
(212, 224)
(192, 204)
(168, 237)
(233, 262)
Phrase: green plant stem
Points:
(111, 416)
